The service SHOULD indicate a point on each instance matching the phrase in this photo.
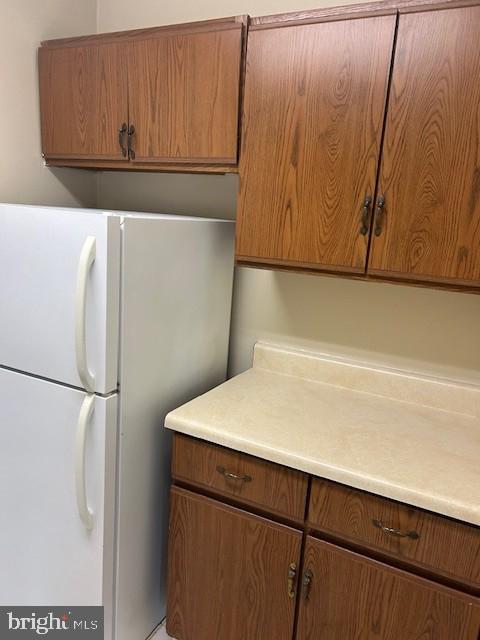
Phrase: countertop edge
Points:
(435, 504)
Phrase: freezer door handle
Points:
(87, 258)
(86, 411)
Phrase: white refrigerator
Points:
(108, 320)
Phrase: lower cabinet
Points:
(231, 575)
(346, 596)
(234, 575)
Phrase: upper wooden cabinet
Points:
(158, 98)
(183, 96)
(430, 171)
(83, 101)
(341, 127)
(314, 106)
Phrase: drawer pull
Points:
(307, 583)
(292, 574)
(233, 476)
(413, 535)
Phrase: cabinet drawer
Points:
(247, 479)
(438, 544)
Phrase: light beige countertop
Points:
(399, 435)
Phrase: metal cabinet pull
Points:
(131, 133)
(292, 574)
(365, 215)
(380, 214)
(307, 583)
(233, 476)
(121, 139)
(413, 535)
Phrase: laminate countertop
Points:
(399, 435)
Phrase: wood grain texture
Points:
(430, 169)
(314, 106)
(184, 96)
(202, 26)
(146, 167)
(365, 277)
(351, 11)
(227, 572)
(83, 101)
(273, 487)
(445, 546)
(354, 598)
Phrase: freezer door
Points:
(59, 293)
(57, 474)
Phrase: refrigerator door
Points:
(57, 473)
(59, 292)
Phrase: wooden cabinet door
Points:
(430, 169)
(83, 101)
(184, 89)
(350, 597)
(314, 107)
(228, 572)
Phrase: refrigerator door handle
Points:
(86, 411)
(87, 258)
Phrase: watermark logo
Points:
(22, 623)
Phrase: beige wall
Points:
(426, 330)
(23, 178)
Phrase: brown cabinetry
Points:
(360, 156)
(429, 228)
(83, 101)
(235, 575)
(231, 574)
(437, 544)
(247, 480)
(314, 105)
(163, 98)
(348, 596)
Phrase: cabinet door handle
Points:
(233, 476)
(365, 215)
(379, 215)
(307, 583)
(292, 574)
(131, 133)
(413, 535)
(121, 139)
